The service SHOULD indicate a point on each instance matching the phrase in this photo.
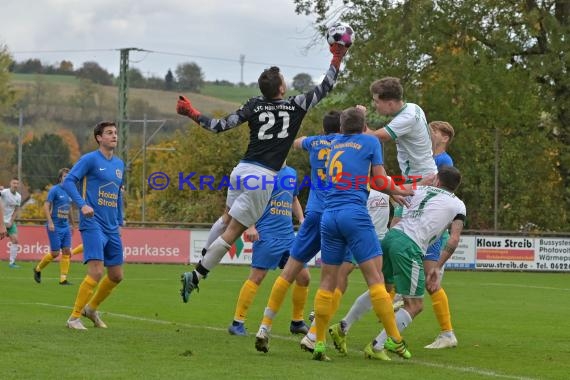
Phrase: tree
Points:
(41, 159)
(302, 82)
(65, 67)
(136, 79)
(169, 81)
(95, 73)
(7, 94)
(189, 77)
(498, 71)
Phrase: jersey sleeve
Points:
(77, 172)
(230, 121)
(51, 195)
(401, 125)
(311, 98)
(376, 152)
(306, 144)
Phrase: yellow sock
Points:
(83, 294)
(323, 308)
(48, 258)
(105, 288)
(382, 304)
(299, 298)
(440, 306)
(278, 293)
(336, 301)
(64, 267)
(245, 299)
(392, 293)
(313, 329)
(77, 250)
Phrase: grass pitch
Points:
(509, 326)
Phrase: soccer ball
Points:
(340, 33)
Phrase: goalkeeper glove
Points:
(184, 107)
(338, 51)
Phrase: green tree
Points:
(302, 82)
(95, 73)
(41, 159)
(7, 94)
(136, 79)
(498, 71)
(189, 77)
(169, 81)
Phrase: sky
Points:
(211, 33)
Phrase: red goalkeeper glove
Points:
(338, 51)
(184, 107)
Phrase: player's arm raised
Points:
(312, 97)
(184, 107)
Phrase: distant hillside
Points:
(212, 97)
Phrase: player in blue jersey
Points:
(308, 240)
(274, 122)
(57, 208)
(272, 238)
(442, 134)
(346, 224)
(100, 177)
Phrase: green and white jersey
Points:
(11, 201)
(431, 211)
(378, 205)
(410, 131)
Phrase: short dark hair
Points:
(388, 88)
(449, 178)
(98, 131)
(331, 122)
(60, 174)
(352, 121)
(269, 82)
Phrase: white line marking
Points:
(474, 370)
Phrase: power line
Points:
(234, 60)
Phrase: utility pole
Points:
(20, 142)
(123, 114)
(241, 62)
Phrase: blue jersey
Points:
(318, 148)
(277, 219)
(100, 180)
(348, 168)
(60, 206)
(443, 159)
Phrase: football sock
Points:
(337, 295)
(312, 334)
(214, 255)
(361, 306)
(83, 295)
(245, 299)
(440, 306)
(216, 231)
(13, 253)
(403, 320)
(105, 288)
(278, 293)
(64, 262)
(323, 308)
(299, 297)
(382, 304)
(77, 250)
(48, 258)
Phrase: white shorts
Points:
(249, 193)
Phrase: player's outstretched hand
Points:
(184, 107)
(338, 51)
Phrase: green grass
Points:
(509, 326)
(230, 94)
(55, 79)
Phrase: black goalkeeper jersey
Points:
(273, 124)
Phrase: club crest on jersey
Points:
(119, 174)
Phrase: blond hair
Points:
(444, 127)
